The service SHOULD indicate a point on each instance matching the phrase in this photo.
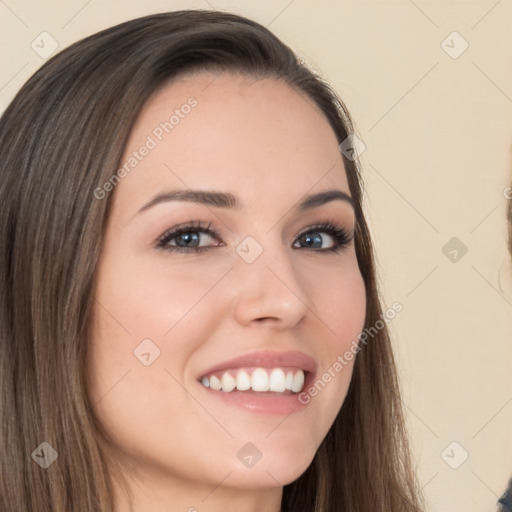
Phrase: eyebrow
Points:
(227, 200)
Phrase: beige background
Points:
(438, 132)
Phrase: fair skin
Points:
(264, 143)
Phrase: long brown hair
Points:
(61, 138)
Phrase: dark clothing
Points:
(505, 501)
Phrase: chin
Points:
(268, 476)
(278, 465)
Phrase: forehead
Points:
(256, 138)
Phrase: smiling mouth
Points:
(265, 381)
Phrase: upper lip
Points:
(267, 359)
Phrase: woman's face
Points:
(253, 294)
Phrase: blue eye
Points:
(187, 238)
(315, 237)
(196, 237)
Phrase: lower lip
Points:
(261, 403)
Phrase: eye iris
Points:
(312, 240)
(189, 239)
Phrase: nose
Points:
(269, 291)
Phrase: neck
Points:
(169, 494)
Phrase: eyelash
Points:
(340, 236)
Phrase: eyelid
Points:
(330, 222)
(184, 227)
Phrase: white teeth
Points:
(298, 382)
(228, 382)
(289, 381)
(276, 380)
(243, 381)
(215, 383)
(259, 380)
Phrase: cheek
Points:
(148, 313)
(151, 299)
(338, 298)
(339, 301)
(343, 307)
(176, 311)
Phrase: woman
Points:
(189, 311)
